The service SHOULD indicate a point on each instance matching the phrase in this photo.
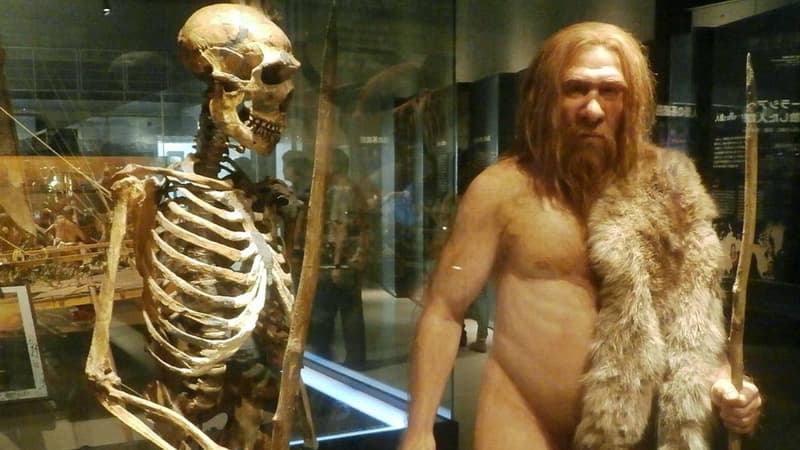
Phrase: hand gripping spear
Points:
(735, 340)
(301, 313)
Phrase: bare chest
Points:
(542, 241)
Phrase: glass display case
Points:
(86, 91)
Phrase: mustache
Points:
(578, 131)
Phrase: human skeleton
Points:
(208, 251)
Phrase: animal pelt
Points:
(659, 338)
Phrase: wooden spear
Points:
(736, 337)
(301, 313)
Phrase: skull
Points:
(248, 62)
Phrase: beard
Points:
(589, 160)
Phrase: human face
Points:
(592, 98)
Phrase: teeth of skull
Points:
(264, 128)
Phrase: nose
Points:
(593, 111)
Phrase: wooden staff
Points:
(736, 338)
(301, 313)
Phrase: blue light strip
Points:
(371, 406)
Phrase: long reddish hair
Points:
(539, 146)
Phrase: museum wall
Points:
(492, 39)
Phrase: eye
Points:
(576, 88)
(611, 91)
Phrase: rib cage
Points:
(208, 280)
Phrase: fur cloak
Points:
(660, 335)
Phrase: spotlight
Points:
(106, 8)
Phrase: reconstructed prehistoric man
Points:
(609, 321)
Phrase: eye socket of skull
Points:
(229, 86)
(276, 73)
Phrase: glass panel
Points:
(395, 117)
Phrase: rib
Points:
(222, 301)
(245, 320)
(199, 241)
(220, 231)
(228, 215)
(204, 268)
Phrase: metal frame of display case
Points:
(39, 388)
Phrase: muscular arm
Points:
(464, 266)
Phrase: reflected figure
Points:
(297, 169)
(345, 244)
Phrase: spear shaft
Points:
(301, 313)
(736, 337)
